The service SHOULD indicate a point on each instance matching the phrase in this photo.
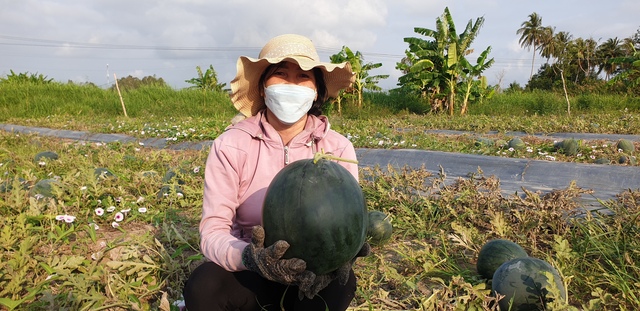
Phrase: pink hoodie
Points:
(242, 162)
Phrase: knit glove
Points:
(269, 264)
(311, 287)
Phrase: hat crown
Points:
(289, 45)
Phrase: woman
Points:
(281, 94)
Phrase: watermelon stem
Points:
(328, 156)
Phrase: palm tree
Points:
(607, 51)
(582, 52)
(561, 42)
(547, 46)
(531, 34)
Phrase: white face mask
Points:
(289, 102)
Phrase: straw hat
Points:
(245, 91)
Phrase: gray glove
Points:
(315, 284)
(269, 264)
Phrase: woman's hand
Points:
(316, 283)
(269, 264)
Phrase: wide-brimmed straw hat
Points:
(245, 91)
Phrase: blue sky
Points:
(90, 41)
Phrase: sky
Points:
(93, 40)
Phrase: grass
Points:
(191, 115)
(86, 262)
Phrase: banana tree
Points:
(630, 75)
(446, 52)
(362, 80)
(206, 81)
(475, 88)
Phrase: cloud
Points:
(66, 39)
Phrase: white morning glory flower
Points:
(119, 217)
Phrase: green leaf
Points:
(9, 303)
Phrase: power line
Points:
(71, 44)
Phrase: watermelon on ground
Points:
(525, 284)
(517, 143)
(379, 229)
(44, 188)
(45, 156)
(496, 252)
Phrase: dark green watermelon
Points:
(523, 283)
(174, 173)
(319, 209)
(496, 252)
(44, 188)
(379, 229)
(45, 156)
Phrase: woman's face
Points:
(291, 73)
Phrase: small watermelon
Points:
(626, 146)
(174, 173)
(44, 156)
(43, 188)
(623, 159)
(517, 143)
(379, 229)
(568, 147)
(8, 184)
(496, 252)
(525, 285)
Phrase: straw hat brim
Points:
(245, 91)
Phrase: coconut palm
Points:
(582, 54)
(531, 34)
(607, 51)
(547, 46)
(561, 42)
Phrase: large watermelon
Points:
(318, 207)
(496, 252)
(524, 284)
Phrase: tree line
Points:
(436, 69)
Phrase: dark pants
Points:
(211, 287)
